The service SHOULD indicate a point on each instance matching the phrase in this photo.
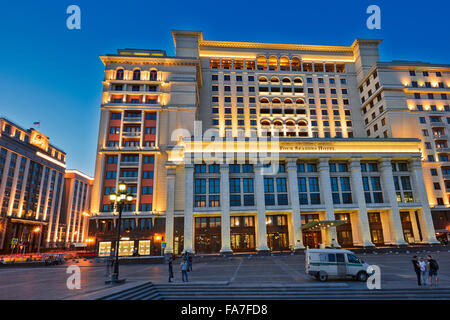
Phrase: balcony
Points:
(131, 134)
(438, 124)
(443, 150)
(128, 179)
(129, 164)
(132, 119)
(440, 137)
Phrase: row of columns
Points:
(360, 223)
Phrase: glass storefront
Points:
(144, 247)
(126, 248)
(104, 249)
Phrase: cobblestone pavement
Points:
(50, 282)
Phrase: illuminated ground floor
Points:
(21, 235)
(316, 230)
(349, 193)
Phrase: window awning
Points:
(317, 225)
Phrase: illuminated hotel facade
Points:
(296, 107)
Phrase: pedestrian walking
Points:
(184, 268)
(109, 267)
(189, 261)
(423, 271)
(433, 268)
(416, 266)
(170, 268)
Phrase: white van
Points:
(334, 263)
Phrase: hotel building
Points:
(243, 146)
(31, 186)
(403, 99)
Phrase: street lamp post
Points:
(39, 229)
(118, 200)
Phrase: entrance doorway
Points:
(344, 231)
(207, 235)
(376, 228)
(407, 227)
(311, 239)
(242, 233)
(277, 232)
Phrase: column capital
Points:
(324, 163)
(189, 167)
(385, 163)
(259, 167)
(355, 163)
(415, 163)
(292, 164)
(171, 168)
(224, 167)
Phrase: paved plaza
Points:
(285, 270)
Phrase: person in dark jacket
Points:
(189, 261)
(416, 266)
(433, 268)
(170, 268)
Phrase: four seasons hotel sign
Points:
(307, 148)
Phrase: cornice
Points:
(149, 61)
(280, 46)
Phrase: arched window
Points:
(274, 80)
(273, 63)
(299, 101)
(302, 123)
(290, 123)
(264, 100)
(262, 79)
(119, 74)
(276, 100)
(286, 81)
(261, 62)
(265, 123)
(284, 63)
(137, 74)
(288, 101)
(298, 81)
(153, 75)
(295, 64)
(278, 123)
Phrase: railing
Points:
(131, 133)
(132, 119)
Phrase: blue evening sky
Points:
(53, 75)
